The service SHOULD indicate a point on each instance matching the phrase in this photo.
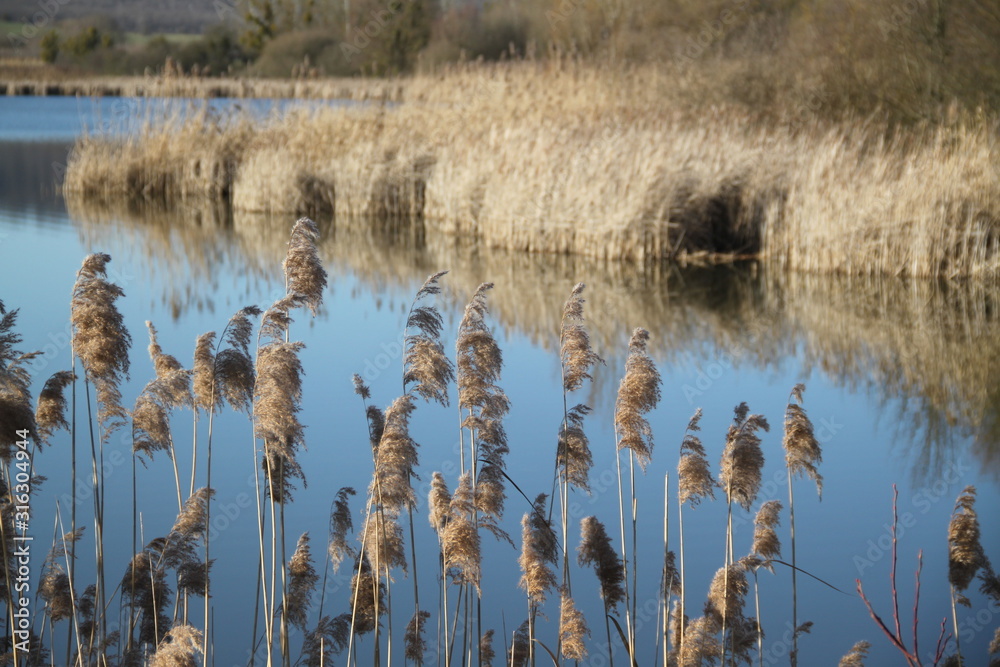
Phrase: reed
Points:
(170, 568)
(638, 393)
(517, 155)
(802, 456)
(101, 342)
(965, 554)
(573, 457)
(740, 479)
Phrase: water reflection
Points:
(927, 353)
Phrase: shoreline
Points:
(359, 89)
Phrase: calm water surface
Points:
(902, 381)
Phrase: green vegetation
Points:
(909, 61)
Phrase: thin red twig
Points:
(916, 600)
(892, 573)
(878, 620)
(942, 646)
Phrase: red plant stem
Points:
(942, 646)
(916, 600)
(892, 573)
(881, 624)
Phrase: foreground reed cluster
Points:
(158, 606)
(561, 158)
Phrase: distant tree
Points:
(262, 25)
(50, 46)
(85, 42)
(401, 30)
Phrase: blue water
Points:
(720, 337)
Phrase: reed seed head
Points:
(727, 594)
(424, 361)
(638, 393)
(205, 396)
(479, 357)
(277, 401)
(742, 458)
(162, 363)
(179, 648)
(671, 577)
(100, 338)
(414, 640)
(364, 587)
(50, 414)
(572, 629)
(305, 276)
(383, 543)
(573, 457)
(965, 551)
(520, 646)
(396, 458)
(701, 643)
(302, 579)
(765, 539)
(360, 388)
(330, 636)
(856, 656)
(53, 585)
(192, 522)
(595, 549)
(16, 413)
(802, 450)
(438, 503)
(460, 541)
(539, 552)
(151, 414)
(340, 524)
(486, 652)
(694, 478)
(575, 352)
(275, 321)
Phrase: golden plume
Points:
(424, 360)
(100, 338)
(742, 458)
(305, 277)
(802, 450)
(595, 549)
(694, 479)
(638, 393)
(50, 414)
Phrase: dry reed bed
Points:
(576, 160)
(939, 356)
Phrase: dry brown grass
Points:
(571, 159)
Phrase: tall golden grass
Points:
(270, 390)
(564, 158)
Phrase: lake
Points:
(901, 375)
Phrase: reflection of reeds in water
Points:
(273, 393)
(936, 364)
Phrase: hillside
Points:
(169, 16)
